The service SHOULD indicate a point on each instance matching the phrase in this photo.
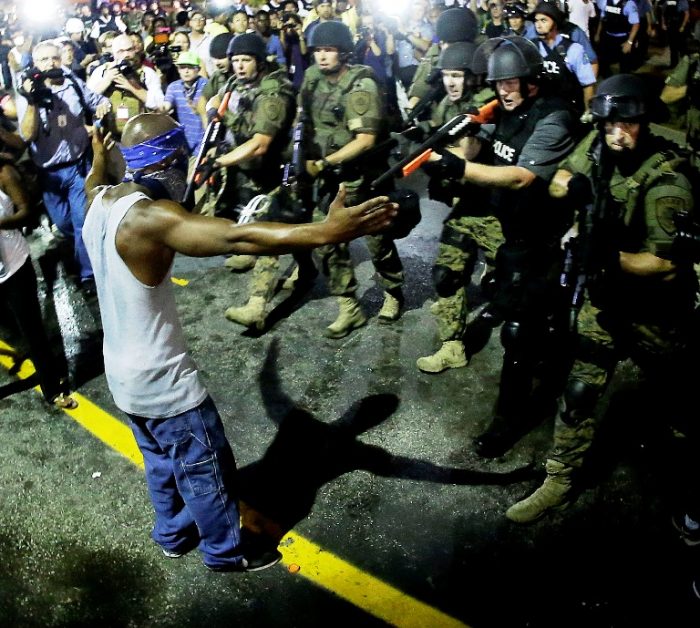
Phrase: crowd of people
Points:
(190, 128)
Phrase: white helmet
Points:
(74, 25)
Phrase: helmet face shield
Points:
(608, 107)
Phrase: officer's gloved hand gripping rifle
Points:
(591, 249)
(459, 126)
(203, 166)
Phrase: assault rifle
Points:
(295, 169)
(432, 96)
(591, 252)
(203, 168)
(459, 126)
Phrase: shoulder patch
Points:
(666, 208)
(272, 109)
(360, 102)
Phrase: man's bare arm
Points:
(170, 225)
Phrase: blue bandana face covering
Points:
(169, 182)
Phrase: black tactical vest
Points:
(614, 19)
(562, 81)
(525, 213)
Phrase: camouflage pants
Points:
(659, 351)
(266, 271)
(336, 262)
(476, 232)
(230, 190)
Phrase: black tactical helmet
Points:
(551, 10)
(219, 45)
(502, 58)
(333, 35)
(627, 97)
(515, 10)
(456, 25)
(248, 44)
(457, 56)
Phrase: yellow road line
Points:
(323, 568)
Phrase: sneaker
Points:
(169, 554)
(251, 562)
(690, 537)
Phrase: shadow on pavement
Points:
(307, 453)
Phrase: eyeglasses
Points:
(197, 19)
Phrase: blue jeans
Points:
(191, 477)
(65, 200)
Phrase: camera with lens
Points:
(106, 57)
(365, 32)
(38, 93)
(161, 57)
(686, 244)
(126, 69)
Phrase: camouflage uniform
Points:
(337, 111)
(467, 229)
(647, 319)
(266, 107)
(420, 86)
(687, 72)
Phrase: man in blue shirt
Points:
(54, 126)
(182, 96)
(565, 62)
(272, 41)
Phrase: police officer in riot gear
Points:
(532, 134)
(452, 25)
(469, 228)
(259, 115)
(343, 106)
(566, 65)
(639, 298)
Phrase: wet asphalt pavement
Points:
(348, 444)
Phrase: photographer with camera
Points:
(295, 50)
(85, 50)
(131, 87)
(52, 109)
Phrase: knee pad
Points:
(578, 402)
(447, 281)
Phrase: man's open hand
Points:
(372, 216)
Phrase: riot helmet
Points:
(502, 58)
(553, 11)
(250, 44)
(332, 35)
(627, 97)
(515, 10)
(456, 24)
(457, 56)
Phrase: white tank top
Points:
(14, 249)
(148, 370)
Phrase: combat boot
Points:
(500, 436)
(350, 317)
(554, 494)
(450, 355)
(252, 314)
(391, 309)
(240, 263)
